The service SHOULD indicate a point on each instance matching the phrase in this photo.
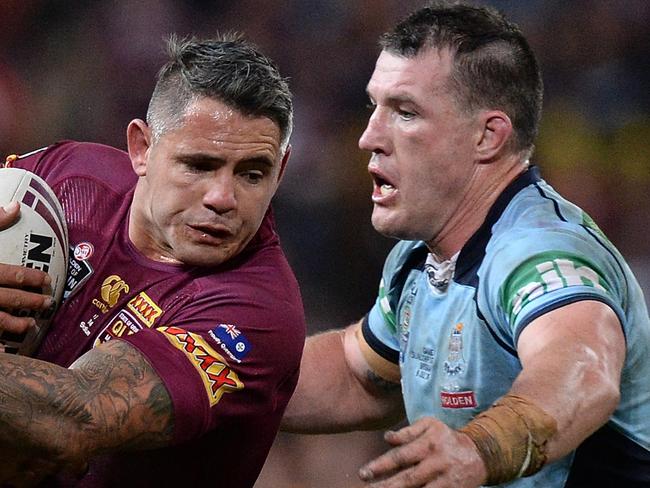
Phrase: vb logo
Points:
(553, 275)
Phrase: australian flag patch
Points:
(231, 341)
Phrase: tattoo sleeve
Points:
(110, 399)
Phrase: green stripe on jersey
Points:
(544, 273)
(384, 305)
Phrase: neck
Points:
(486, 184)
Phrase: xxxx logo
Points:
(144, 308)
(218, 378)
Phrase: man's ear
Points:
(283, 163)
(497, 132)
(138, 138)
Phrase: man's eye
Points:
(196, 167)
(405, 115)
(253, 176)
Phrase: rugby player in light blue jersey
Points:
(508, 329)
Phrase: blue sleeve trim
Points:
(566, 301)
(376, 345)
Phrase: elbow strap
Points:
(511, 438)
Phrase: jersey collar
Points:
(471, 255)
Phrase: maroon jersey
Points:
(226, 341)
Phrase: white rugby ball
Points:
(38, 239)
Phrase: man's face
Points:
(204, 187)
(422, 146)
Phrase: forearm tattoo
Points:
(110, 399)
(381, 384)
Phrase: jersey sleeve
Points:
(539, 271)
(380, 324)
(228, 357)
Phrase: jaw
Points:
(389, 222)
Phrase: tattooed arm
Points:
(344, 385)
(110, 399)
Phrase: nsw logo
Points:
(232, 341)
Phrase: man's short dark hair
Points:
(494, 67)
(227, 68)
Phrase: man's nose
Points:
(375, 136)
(220, 193)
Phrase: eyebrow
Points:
(206, 159)
(396, 99)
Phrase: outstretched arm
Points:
(572, 359)
(110, 399)
(343, 386)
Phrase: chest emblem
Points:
(452, 394)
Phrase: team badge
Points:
(231, 341)
(452, 394)
(121, 325)
(217, 376)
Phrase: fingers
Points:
(427, 454)
(15, 325)
(14, 276)
(8, 214)
(22, 289)
(414, 443)
(407, 434)
(11, 299)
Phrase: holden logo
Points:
(83, 251)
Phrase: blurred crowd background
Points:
(82, 69)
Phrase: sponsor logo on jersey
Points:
(231, 341)
(545, 273)
(121, 325)
(144, 308)
(83, 251)
(79, 270)
(217, 376)
(457, 399)
(111, 291)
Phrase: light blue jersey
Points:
(457, 350)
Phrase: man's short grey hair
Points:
(494, 67)
(226, 68)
